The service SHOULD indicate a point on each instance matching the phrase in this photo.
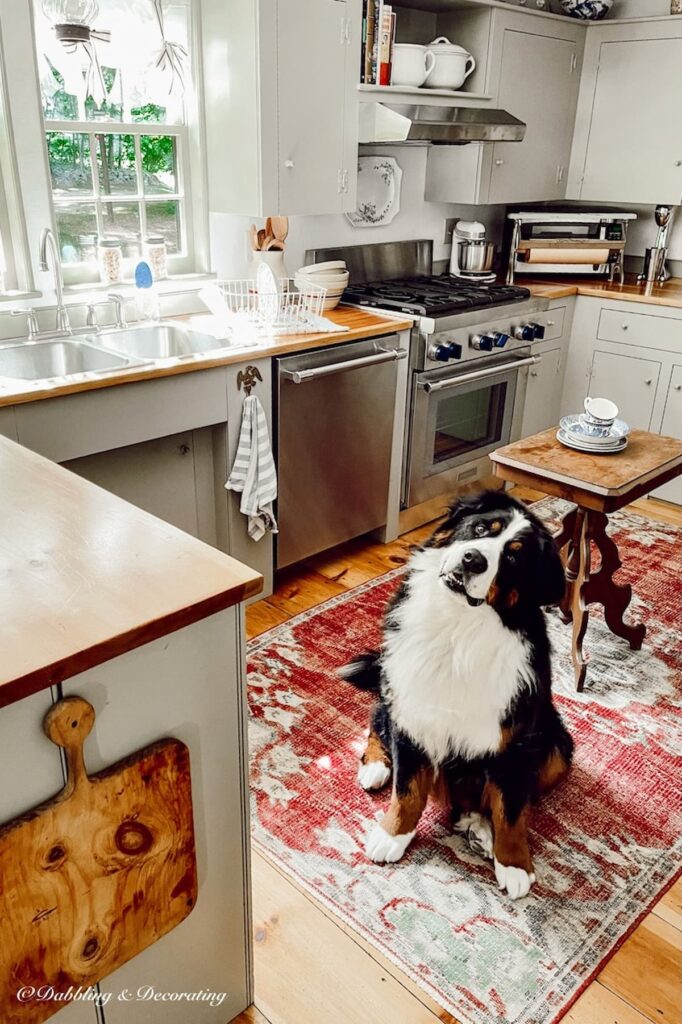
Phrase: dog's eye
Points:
(480, 529)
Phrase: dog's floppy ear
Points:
(550, 579)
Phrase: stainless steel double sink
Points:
(99, 353)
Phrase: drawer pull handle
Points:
(498, 163)
(550, 323)
(533, 373)
(625, 327)
(678, 387)
(648, 380)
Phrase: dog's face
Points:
(495, 551)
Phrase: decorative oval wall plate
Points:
(379, 179)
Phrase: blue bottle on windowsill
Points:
(146, 296)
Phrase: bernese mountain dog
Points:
(464, 684)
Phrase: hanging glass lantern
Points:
(72, 19)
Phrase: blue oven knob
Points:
(439, 352)
(482, 342)
(538, 331)
(455, 350)
(500, 339)
(525, 332)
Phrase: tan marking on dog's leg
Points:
(511, 840)
(553, 770)
(374, 769)
(375, 750)
(406, 809)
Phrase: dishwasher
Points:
(335, 417)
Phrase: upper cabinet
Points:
(628, 135)
(281, 105)
(534, 73)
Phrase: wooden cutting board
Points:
(96, 874)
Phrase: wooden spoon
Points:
(274, 243)
(266, 242)
(254, 237)
(261, 238)
(280, 227)
(268, 226)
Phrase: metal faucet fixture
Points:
(48, 244)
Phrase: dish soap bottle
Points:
(146, 296)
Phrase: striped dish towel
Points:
(253, 471)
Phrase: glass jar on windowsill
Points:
(155, 254)
(110, 258)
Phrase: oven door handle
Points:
(384, 356)
(464, 378)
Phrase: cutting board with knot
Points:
(96, 874)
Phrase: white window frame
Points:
(178, 263)
(31, 203)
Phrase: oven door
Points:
(457, 420)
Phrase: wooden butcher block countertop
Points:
(85, 576)
(360, 324)
(668, 294)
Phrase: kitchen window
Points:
(115, 87)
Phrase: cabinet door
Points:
(634, 148)
(157, 476)
(541, 408)
(311, 95)
(539, 84)
(629, 381)
(672, 427)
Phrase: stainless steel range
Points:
(470, 355)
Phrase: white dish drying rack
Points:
(272, 306)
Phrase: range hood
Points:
(385, 123)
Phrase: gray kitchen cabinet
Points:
(169, 477)
(543, 393)
(671, 426)
(534, 73)
(629, 110)
(628, 380)
(280, 92)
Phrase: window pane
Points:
(163, 218)
(159, 167)
(77, 232)
(138, 72)
(69, 157)
(122, 221)
(115, 163)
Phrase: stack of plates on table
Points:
(573, 433)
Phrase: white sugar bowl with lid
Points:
(452, 66)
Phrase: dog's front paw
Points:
(384, 848)
(479, 833)
(373, 774)
(516, 881)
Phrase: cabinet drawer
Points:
(639, 328)
(553, 320)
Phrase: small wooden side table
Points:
(596, 485)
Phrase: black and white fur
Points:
(464, 685)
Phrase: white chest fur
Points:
(453, 670)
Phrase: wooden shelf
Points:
(420, 96)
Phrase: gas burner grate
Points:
(437, 296)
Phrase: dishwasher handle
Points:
(464, 378)
(384, 356)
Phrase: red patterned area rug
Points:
(606, 844)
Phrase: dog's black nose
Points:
(474, 562)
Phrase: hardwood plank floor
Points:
(312, 967)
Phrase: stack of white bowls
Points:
(597, 430)
(332, 276)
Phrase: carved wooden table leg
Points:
(577, 577)
(602, 588)
(567, 540)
